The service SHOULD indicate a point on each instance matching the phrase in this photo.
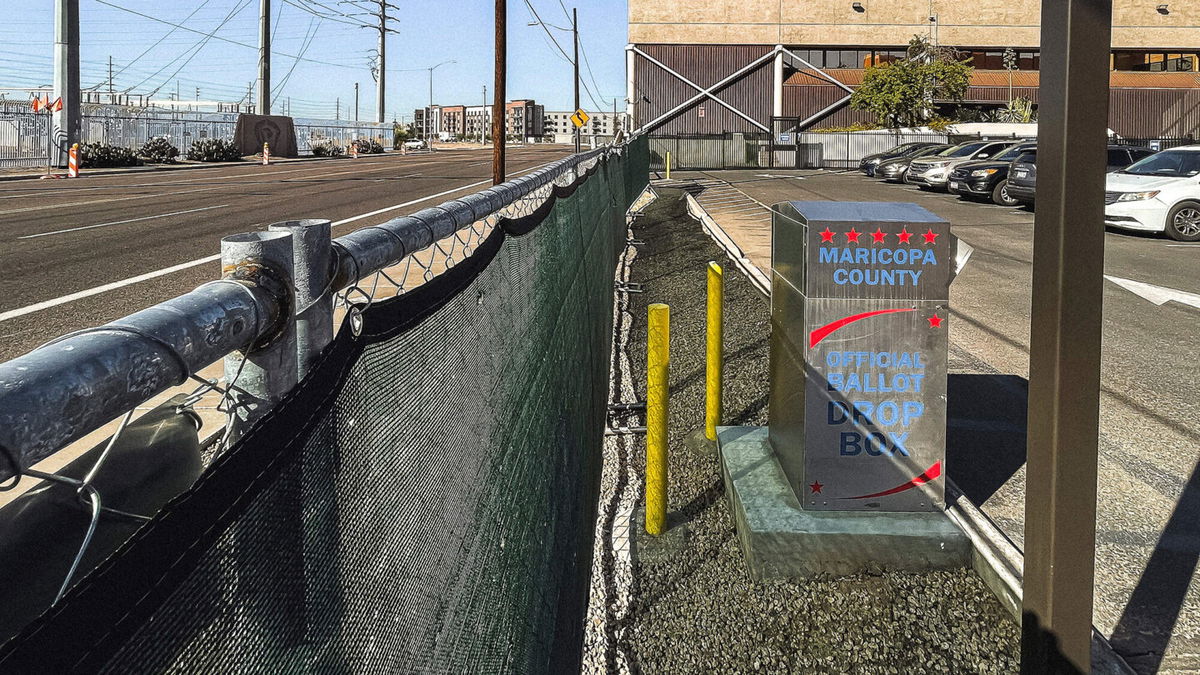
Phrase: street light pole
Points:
(429, 117)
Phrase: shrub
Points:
(159, 150)
(327, 149)
(100, 155)
(368, 146)
(857, 126)
(214, 150)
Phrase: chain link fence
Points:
(23, 139)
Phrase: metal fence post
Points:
(260, 375)
(311, 252)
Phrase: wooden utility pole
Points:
(575, 32)
(498, 94)
(264, 58)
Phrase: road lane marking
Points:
(79, 295)
(1159, 295)
(121, 222)
(90, 202)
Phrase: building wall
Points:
(991, 23)
(705, 65)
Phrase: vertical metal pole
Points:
(658, 366)
(264, 57)
(312, 255)
(259, 378)
(381, 84)
(714, 350)
(67, 125)
(630, 87)
(355, 101)
(575, 32)
(777, 82)
(431, 107)
(498, 96)
(1064, 354)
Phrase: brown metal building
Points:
(695, 68)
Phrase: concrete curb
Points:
(995, 558)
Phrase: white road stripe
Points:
(62, 300)
(121, 222)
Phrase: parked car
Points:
(988, 178)
(414, 144)
(1160, 193)
(1022, 175)
(894, 169)
(933, 172)
(867, 164)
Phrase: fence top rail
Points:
(64, 389)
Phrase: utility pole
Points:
(264, 57)
(337, 108)
(498, 94)
(483, 121)
(355, 101)
(110, 78)
(67, 124)
(380, 73)
(575, 32)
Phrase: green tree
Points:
(902, 93)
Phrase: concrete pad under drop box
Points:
(782, 540)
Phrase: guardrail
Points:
(273, 307)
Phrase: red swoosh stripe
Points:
(823, 332)
(930, 474)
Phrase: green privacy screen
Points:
(422, 502)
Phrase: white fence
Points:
(23, 140)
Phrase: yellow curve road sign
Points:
(580, 118)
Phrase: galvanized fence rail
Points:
(265, 327)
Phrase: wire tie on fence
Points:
(87, 540)
(91, 475)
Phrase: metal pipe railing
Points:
(61, 391)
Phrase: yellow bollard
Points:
(658, 362)
(668, 165)
(715, 348)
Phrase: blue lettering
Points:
(837, 413)
(912, 411)
(834, 380)
(828, 255)
(850, 443)
(888, 413)
(930, 259)
(862, 256)
(839, 275)
(879, 439)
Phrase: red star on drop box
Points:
(816, 487)
(852, 235)
(904, 235)
(826, 235)
(935, 321)
(879, 235)
(930, 237)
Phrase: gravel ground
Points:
(694, 608)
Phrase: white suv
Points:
(1160, 193)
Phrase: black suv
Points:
(867, 164)
(988, 178)
(1022, 176)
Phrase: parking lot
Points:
(1148, 538)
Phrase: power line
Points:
(194, 50)
(543, 24)
(217, 37)
(303, 49)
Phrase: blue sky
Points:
(431, 31)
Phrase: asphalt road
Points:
(60, 238)
(1147, 595)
